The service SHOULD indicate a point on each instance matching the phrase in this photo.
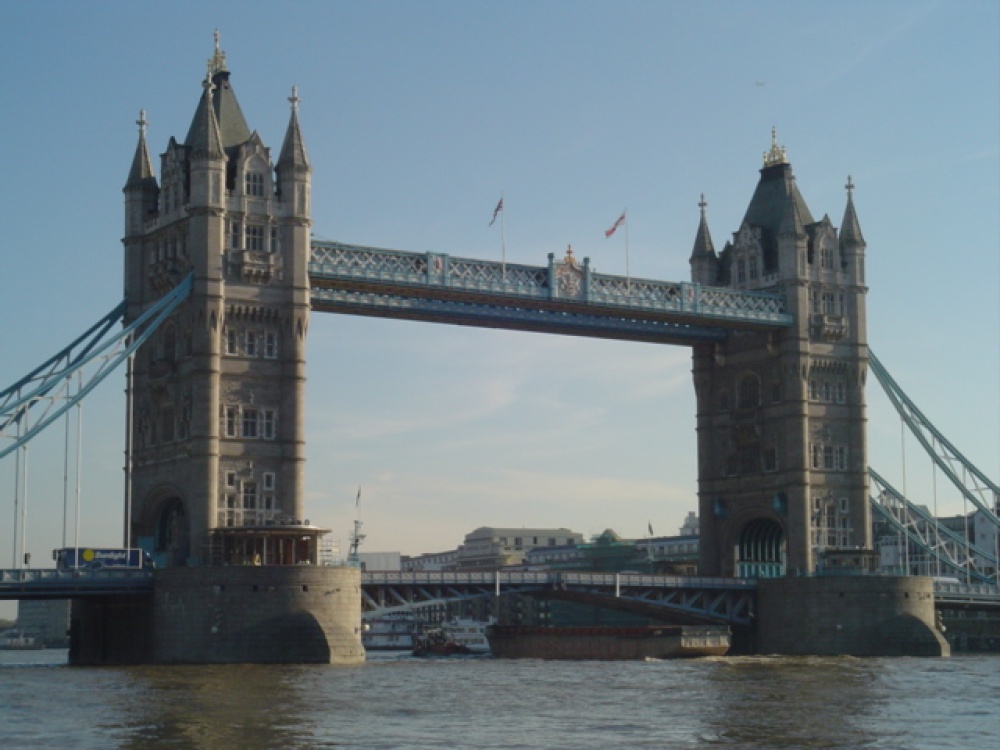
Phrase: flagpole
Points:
(503, 239)
(628, 277)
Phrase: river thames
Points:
(402, 702)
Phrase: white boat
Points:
(468, 633)
(390, 632)
(15, 640)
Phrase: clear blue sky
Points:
(416, 117)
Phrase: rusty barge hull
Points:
(607, 643)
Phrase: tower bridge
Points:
(776, 322)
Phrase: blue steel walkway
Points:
(566, 296)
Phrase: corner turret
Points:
(704, 262)
(141, 189)
(852, 242)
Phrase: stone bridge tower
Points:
(782, 451)
(216, 407)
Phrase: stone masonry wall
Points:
(848, 615)
(279, 614)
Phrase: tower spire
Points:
(777, 153)
(204, 137)
(142, 167)
(293, 149)
(704, 262)
(217, 62)
(850, 228)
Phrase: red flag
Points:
(621, 220)
(496, 211)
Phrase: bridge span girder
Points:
(698, 600)
(565, 297)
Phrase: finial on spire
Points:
(850, 187)
(777, 153)
(702, 205)
(294, 98)
(142, 122)
(217, 62)
(207, 84)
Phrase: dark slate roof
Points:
(776, 205)
(703, 240)
(233, 129)
(850, 229)
(141, 172)
(293, 150)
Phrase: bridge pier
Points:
(848, 615)
(302, 614)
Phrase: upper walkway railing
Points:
(551, 578)
(52, 583)
(557, 297)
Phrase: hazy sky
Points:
(416, 116)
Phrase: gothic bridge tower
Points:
(782, 451)
(216, 407)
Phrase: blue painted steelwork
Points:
(973, 484)
(563, 297)
(728, 600)
(47, 388)
(971, 596)
(34, 583)
(924, 531)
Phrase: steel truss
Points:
(952, 550)
(973, 484)
(564, 297)
(705, 599)
(46, 393)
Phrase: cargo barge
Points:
(607, 643)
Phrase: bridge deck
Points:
(563, 297)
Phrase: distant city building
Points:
(608, 552)
(431, 561)
(46, 621)
(380, 561)
(986, 537)
(490, 548)
(690, 527)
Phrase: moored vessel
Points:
(15, 640)
(459, 636)
(607, 643)
(393, 632)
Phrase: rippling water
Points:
(401, 702)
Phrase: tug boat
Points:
(460, 636)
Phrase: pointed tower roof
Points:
(141, 174)
(850, 229)
(231, 124)
(703, 240)
(204, 137)
(777, 205)
(293, 150)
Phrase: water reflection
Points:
(215, 707)
(804, 702)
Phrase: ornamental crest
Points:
(569, 276)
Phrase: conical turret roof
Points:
(141, 173)
(293, 150)
(850, 228)
(232, 126)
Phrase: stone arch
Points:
(165, 519)
(760, 549)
